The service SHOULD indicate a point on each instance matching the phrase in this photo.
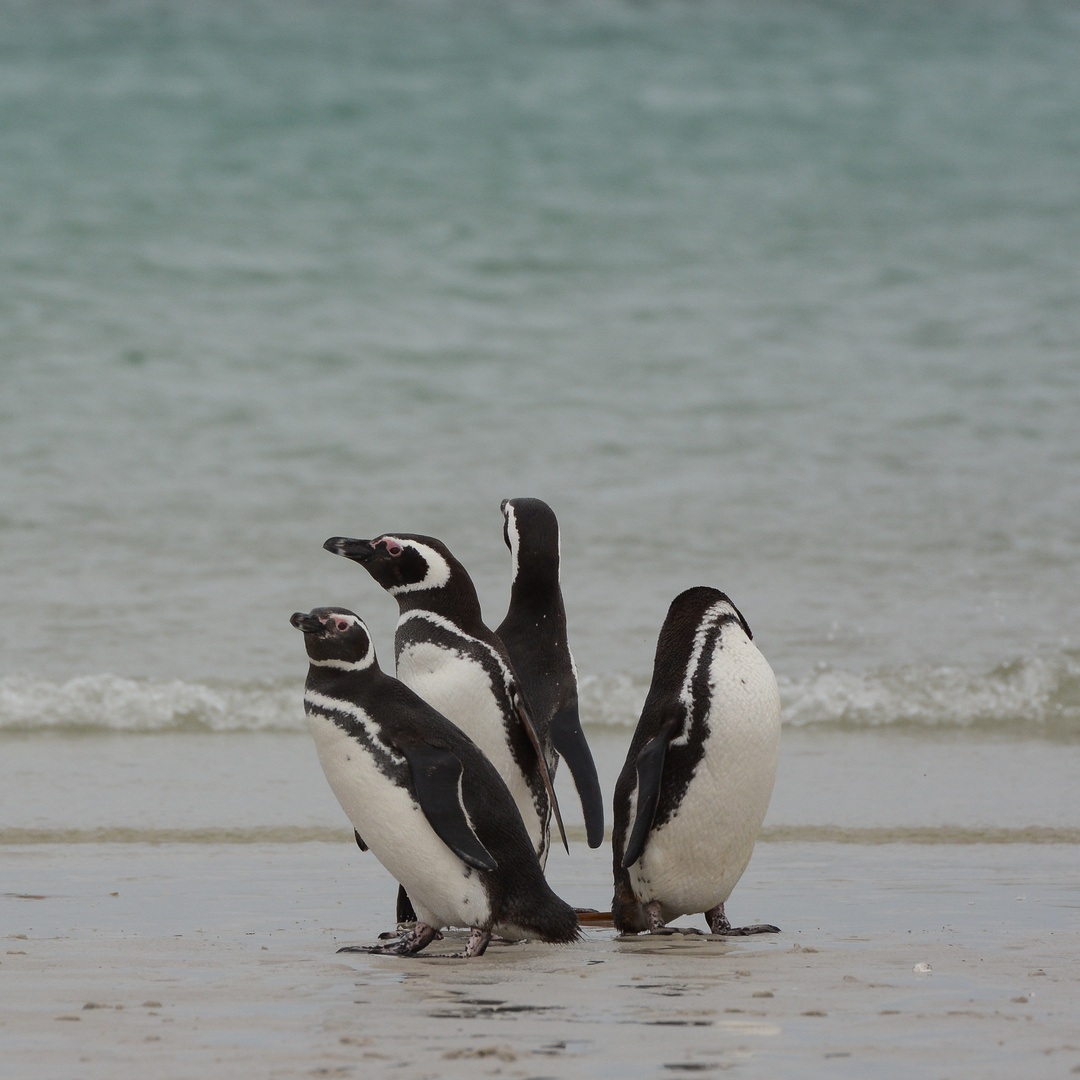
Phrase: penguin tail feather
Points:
(563, 929)
(556, 922)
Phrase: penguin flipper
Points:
(436, 776)
(569, 740)
(650, 768)
(525, 713)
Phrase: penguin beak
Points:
(359, 551)
(308, 623)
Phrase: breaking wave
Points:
(1036, 696)
(1033, 696)
(112, 703)
(1029, 696)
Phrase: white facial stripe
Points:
(323, 704)
(346, 665)
(351, 620)
(438, 569)
(514, 536)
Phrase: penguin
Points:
(693, 792)
(428, 804)
(534, 633)
(447, 655)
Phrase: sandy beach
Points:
(217, 961)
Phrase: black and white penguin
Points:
(447, 655)
(693, 793)
(534, 633)
(428, 804)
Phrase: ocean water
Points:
(778, 297)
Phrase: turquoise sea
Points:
(781, 297)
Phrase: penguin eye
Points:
(392, 547)
(342, 625)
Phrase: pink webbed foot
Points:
(719, 924)
(656, 923)
(408, 944)
(477, 946)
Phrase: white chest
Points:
(460, 687)
(444, 891)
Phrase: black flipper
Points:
(359, 841)
(436, 775)
(569, 740)
(650, 767)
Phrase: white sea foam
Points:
(750, 318)
(611, 700)
(110, 703)
(1031, 696)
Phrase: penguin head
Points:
(531, 532)
(336, 637)
(700, 608)
(402, 563)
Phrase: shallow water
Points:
(780, 299)
(865, 786)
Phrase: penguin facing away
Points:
(447, 655)
(534, 633)
(428, 804)
(695, 787)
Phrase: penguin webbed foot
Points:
(717, 920)
(406, 918)
(477, 946)
(746, 931)
(654, 922)
(402, 928)
(407, 944)
(719, 925)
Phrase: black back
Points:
(534, 629)
(534, 633)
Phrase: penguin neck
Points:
(342, 683)
(535, 587)
(456, 599)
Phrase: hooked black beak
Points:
(308, 623)
(359, 551)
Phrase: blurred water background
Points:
(781, 297)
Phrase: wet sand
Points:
(171, 960)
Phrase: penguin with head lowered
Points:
(534, 633)
(693, 792)
(428, 803)
(447, 655)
